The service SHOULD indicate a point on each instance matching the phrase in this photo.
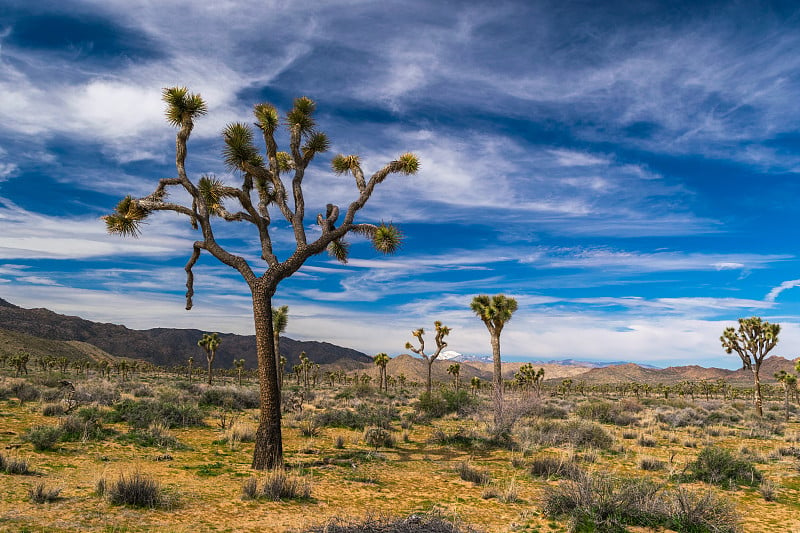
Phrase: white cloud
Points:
(775, 292)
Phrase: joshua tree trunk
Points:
(268, 453)
(498, 380)
(428, 381)
(757, 392)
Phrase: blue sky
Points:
(627, 171)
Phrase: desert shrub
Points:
(40, 493)
(14, 465)
(52, 409)
(552, 411)
(445, 401)
(76, 428)
(43, 438)
(154, 436)
(767, 490)
(25, 392)
(143, 413)
(364, 415)
(277, 485)
(607, 412)
(761, 428)
(651, 464)
(143, 391)
(338, 442)
(416, 523)
(230, 398)
(459, 438)
(379, 438)
(646, 441)
(240, 432)
(100, 392)
(136, 489)
(579, 433)
(719, 466)
(468, 473)
(688, 416)
(548, 466)
(604, 504)
(358, 390)
(309, 428)
(705, 513)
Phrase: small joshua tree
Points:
(239, 364)
(280, 319)
(381, 360)
(210, 343)
(455, 371)
(789, 382)
(495, 311)
(441, 333)
(752, 342)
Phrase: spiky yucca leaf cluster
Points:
(317, 142)
(495, 310)
(212, 190)
(239, 148)
(267, 117)
(387, 239)
(342, 164)
(300, 115)
(339, 250)
(127, 218)
(406, 164)
(182, 105)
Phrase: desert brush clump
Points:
(549, 466)
(134, 489)
(378, 437)
(143, 413)
(719, 466)
(14, 466)
(603, 504)
(41, 493)
(43, 438)
(469, 473)
(578, 433)
(429, 523)
(277, 485)
(606, 412)
(229, 398)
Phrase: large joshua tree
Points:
(271, 186)
(495, 311)
(441, 333)
(752, 342)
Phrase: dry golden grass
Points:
(204, 481)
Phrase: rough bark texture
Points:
(758, 399)
(497, 380)
(268, 453)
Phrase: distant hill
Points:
(632, 372)
(161, 346)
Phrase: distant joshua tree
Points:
(209, 343)
(789, 382)
(441, 333)
(280, 319)
(455, 370)
(190, 363)
(475, 383)
(752, 342)
(495, 311)
(381, 360)
(239, 365)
